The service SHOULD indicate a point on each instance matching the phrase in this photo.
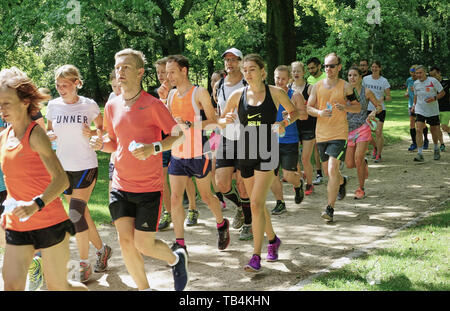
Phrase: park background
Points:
(40, 35)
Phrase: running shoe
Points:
(238, 219)
(309, 189)
(272, 250)
(246, 233)
(419, 158)
(299, 194)
(102, 259)
(426, 144)
(176, 246)
(254, 265)
(328, 214)
(437, 154)
(85, 271)
(374, 153)
(412, 147)
(35, 275)
(377, 159)
(442, 148)
(180, 270)
(318, 180)
(342, 192)
(192, 218)
(224, 236)
(165, 221)
(279, 208)
(359, 194)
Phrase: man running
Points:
(427, 91)
(191, 107)
(134, 121)
(444, 103)
(227, 159)
(328, 102)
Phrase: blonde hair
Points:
(284, 68)
(138, 56)
(299, 64)
(69, 72)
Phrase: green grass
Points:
(416, 260)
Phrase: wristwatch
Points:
(157, 147)
(39, 203)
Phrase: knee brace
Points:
(76, 214)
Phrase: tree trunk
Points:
(93, 70)
(280, 35)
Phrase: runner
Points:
(315, 75)
(166, 219)
(359, 133)
(409, 93)
(306, 128)
(328, 102)
(227, 163)
(69, 117)
(136, 195)
(444, 104)
(257, 105)
(288, 145)
(34, 178)
(427, 91)
(364, 67)
(191, 107)
(380, 86)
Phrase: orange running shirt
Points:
(26, 177)
(143, 123)
(186, 109)
(336, 126)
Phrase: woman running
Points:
(380, 86)
(359, 132)
(34, 178)
(70, 117)
(257, 105)
(306, 128)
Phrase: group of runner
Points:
(159, 148)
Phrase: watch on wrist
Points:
(39, 203)
(157, 147)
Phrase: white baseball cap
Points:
(235, 52)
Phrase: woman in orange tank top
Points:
(34, 178)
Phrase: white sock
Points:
(85, 261)
(146, 290)
(176, 260)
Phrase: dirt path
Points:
(398, 190)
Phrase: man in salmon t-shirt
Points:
(134, 121)
(330, 100)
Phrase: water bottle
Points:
(54, 144)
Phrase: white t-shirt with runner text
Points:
(73, 149)
(377, 86)
(428, 88)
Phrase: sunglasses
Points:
(331, 66)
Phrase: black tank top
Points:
(310, 123)
(257, 122)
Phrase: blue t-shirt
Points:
(2, 182)
(409, 86)
(291, 135)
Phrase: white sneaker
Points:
(318, 180)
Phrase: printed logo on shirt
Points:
(143, 107)
(72, 119)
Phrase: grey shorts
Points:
(332, 148)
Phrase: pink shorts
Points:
(362, 133)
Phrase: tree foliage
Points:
(40, 35)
